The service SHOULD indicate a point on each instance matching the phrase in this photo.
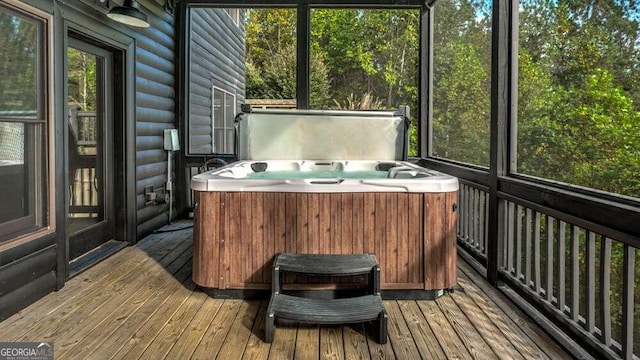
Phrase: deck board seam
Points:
(495, 297)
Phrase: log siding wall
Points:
(216, 58)
(155, 109)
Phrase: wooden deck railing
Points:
(578, 274)
(83, 201)
(472, 221)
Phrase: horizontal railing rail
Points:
(570, 255)
(584, 280)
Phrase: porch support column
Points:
(303, 30)
(503, 94)
(425, 85)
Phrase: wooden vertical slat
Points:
(510, 239)
(575, 273)
(268, 238)
(416, 247)
(231, 248)
(462, 214)
(346, 217)
(302, 223)
(206, 256)
(391, 238)
(527, 248)
(429, 245)
(477, 211)
(473, 240)
(358, 222)
(244, 263)
(605, 291)
(403, 249)
(467, 209)
(291, 224)
(323, 241)
(628, 280)
(481, 221)
(486, 224)
(590, 279)
(449, 239)
(314, 240)
(369, 224)
(257, 240)
(518, 240)
(460, 210)
(335, 230)
(549, 282)
(379, 232)
(561, 248)
(536, 252)
(280, 230)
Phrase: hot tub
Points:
(248, 211)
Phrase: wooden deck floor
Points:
(141, 303)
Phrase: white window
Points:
(223, 114)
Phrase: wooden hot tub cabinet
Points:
(237, 235)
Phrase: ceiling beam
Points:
(377, 4)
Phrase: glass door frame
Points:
(94, 235)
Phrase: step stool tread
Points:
(326, 311)
(324, 264)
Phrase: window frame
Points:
(224, 127)
(38, 131)
(234, 14)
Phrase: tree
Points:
(461, 82)
(18, 64)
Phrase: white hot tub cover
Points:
(322, 134)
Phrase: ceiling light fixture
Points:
(129, 13)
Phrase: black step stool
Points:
(356, 309)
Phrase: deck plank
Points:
(307, 345)
(507, 329)
(519, 321)
(423, 336)
(85, 284)
(403, 345)
(141, 303)
(68, 317)
(215, 335)
(472, 340)
(147, 322)
(82, 343)
(284, 342)
(238, 336)
(331, 344)
(450, 342)
(485, 327)
(175, 326)
(192, 336)
(256, 348)
(355, 342)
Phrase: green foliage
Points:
(82, 69)
(18, 64)
(578, 119)
(461, 83)
(359, 58)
